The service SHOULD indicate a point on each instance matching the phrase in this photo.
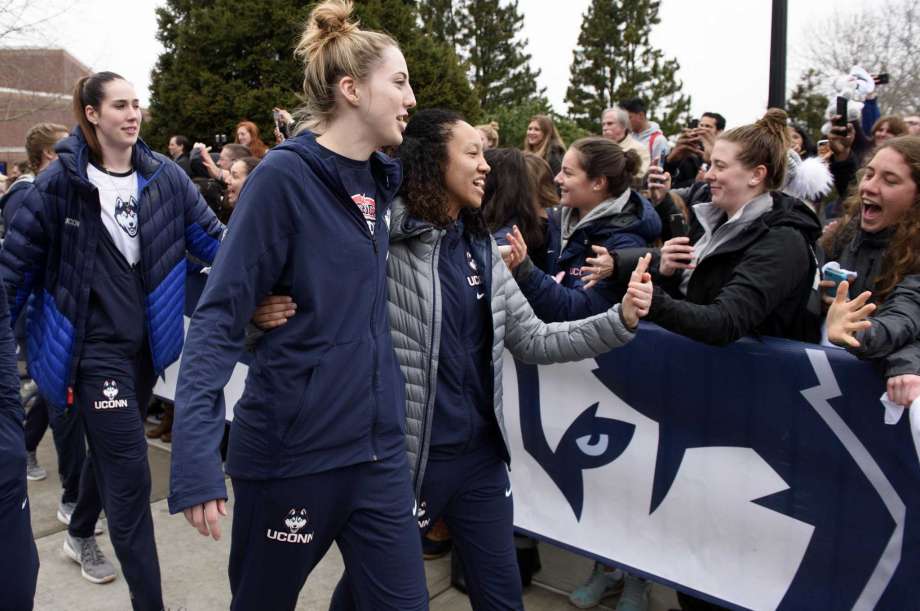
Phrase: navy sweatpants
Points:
(472, 493)
(19, 559)
(70, 444)
(282, 528)
(111, 394)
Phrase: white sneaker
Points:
(93, 564)
(65, 512)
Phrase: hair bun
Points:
(775, 121)
(632, 162)
(328, 21)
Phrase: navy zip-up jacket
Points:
(323, 391)
(46, 258)
(464, 416)
(636, 226)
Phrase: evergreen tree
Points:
(443, 21)
(499, 63)
(224, 61)
(807, 105)
(615, 61)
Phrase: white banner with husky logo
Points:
(760, 475)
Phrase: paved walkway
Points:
(194, 569)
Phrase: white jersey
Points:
(118, 198)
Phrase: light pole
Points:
(777, 95)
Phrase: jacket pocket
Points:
(337, 406)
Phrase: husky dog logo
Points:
(421, 515)
(471, 262)
(126, 215)
(110, 392)
(296, 520)
(110, 389)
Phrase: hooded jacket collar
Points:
(73, 153)
(628, 211)
(387, 172)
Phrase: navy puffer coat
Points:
(47, 258)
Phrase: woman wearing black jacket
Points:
(747, 266)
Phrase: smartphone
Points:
(662, 159)
(841, 112)
(836, 276)
(679, 228)
(694, 123)
(881, 79)
(281, 124)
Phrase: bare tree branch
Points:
(881, 38)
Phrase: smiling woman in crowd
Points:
(879, 239)
(542, 139)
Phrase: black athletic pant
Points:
(473, 494)
(111, 394)
(283, 528)
(19, 557)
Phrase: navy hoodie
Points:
(637, 225)
(323, 391)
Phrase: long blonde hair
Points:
(331, 47)
(551, 138)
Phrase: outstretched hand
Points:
(518, 252)
(846, 317)
(638, 298)
(598, 267)
(206, 517)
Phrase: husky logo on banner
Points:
(714, 464)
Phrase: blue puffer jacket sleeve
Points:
(248, 264)
(555, 302)
(22, 260)
(202, 228)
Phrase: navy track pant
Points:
(282, 528)
(111, 395)
(67, 431)
(19, 558)
(473, 494)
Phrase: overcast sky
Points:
(722, 45)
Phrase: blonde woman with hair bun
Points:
(317, 449)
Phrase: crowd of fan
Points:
(749, 229)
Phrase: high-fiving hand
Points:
(638, 298)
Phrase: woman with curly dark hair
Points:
(454, 307)
(879, 239)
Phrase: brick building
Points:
(35, 86)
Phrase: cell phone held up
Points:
(679, 227)
(840, 120)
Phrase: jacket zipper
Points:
(356, 215)
(429, 395)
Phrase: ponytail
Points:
(90, 91)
